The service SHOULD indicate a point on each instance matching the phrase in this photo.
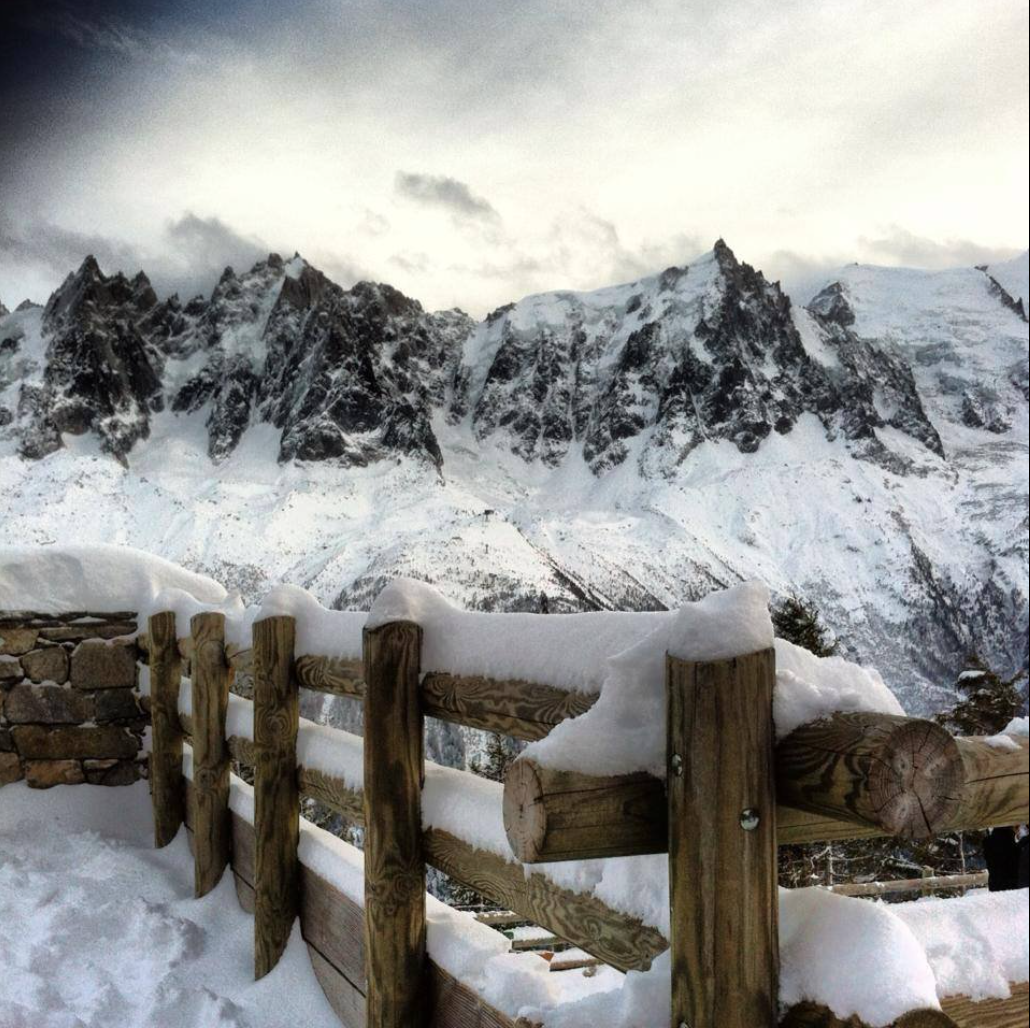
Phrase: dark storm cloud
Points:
(449, 193)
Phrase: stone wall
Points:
(70, 709)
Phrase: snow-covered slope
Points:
(632, 447)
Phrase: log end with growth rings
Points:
(525, 816)
(917, 782)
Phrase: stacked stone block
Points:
(70, 710)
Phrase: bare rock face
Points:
(705, 352)
(98, 375)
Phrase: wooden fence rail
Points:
(730, 797)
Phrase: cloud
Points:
(99, 30)
(899, 246)
(58, 250)
(449, 193)
(208, 245)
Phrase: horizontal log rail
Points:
(883, 787)
(847, 776)
(616, 938)
(930, 883)
(524, 710)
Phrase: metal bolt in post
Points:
(749, 819)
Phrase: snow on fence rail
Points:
(652, 735)
(731, 795)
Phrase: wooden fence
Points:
(731, 797)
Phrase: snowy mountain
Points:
(630, 447)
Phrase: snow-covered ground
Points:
(100, 930)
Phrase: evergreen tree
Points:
(990, 701)
(499, 756)
(798, 621)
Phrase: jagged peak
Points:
(27, 305)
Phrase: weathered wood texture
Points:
(995, 791)
(332, 925)
(525, 710)
(166, 740)
(902, 775)
(548, 815)
(210, 689)
(932, 883)
(395, 873)
(276, 793)
(337, 675)
(1013, 1012)
(582, 920)
(814, 1015)
(562, 815)
(722, 842)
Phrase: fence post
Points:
(276, 791)
(212, 834)
(166, 790)
(395, 873)
(722, 842)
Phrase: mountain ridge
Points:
(633, 446)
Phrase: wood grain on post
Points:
(166, 787)
(903, 774)
(276, 793)
(395, 874)
(210, 687)
(722, 842)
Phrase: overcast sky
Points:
(472, 151)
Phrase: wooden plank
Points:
(210, 688)
(333, 793)
(581, 920)
(166, 740)
(276, 793)
(524, 710)
(347, 1001)
(395, 872)
(902, 775)
(722, 842)
(1013, 1012)
(332, 926)
(932, 883)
